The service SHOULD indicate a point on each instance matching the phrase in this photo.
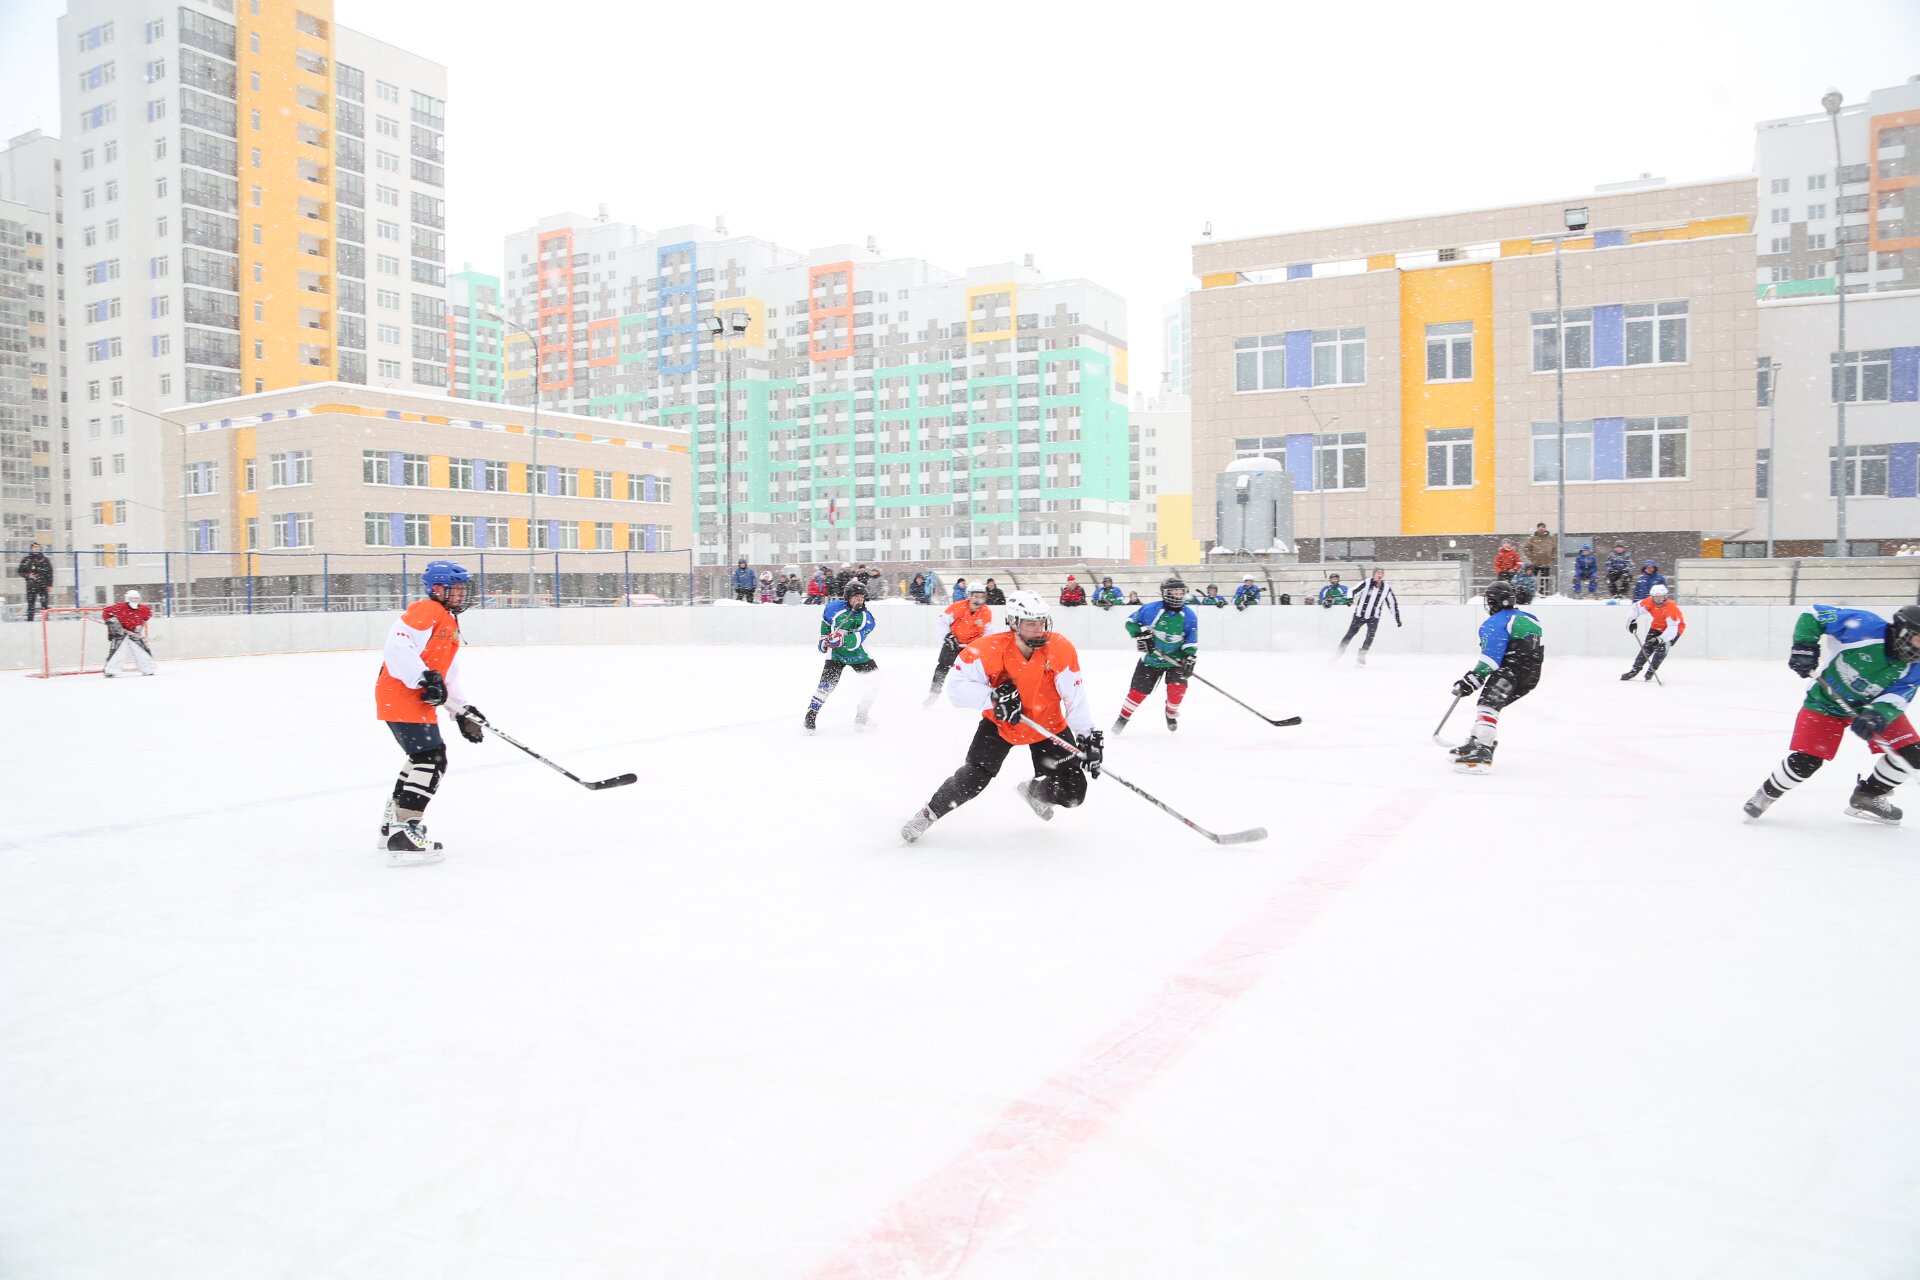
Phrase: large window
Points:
(397, 529)
(1869, 375)
(1260, 364)
(556, 535)
(646, 488)
(201, 477)
(1339, 357)
(1450, 352)
(294, 529)
(1656, 448)
(1546, 339)
(1450, 458)
(290, 468)
(1342, 460)
(1867, 468)
(1656, 332)
(1546, 452)
(1260, 447)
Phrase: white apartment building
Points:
(1162, 514)
(33, 422)
(255, 200)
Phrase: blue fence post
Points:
(166, 570)
(556, 579)
(403, 582)
(326, 582)
(626, 578)
(483, 579)
(249, 582)
(689, 575)
(76, 581)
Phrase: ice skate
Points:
(1475, 758)
(1173, 723)
(1118, 725)
(1028, 791)
(1629, 675)
(1649, 674)
(813, 714)
(408, 846)
(862, 721)
(933, 696)
(1363, 657)
(1872, 805)
(917, 825)
(1757, 805)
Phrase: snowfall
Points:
(1574, 1019)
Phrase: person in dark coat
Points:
(1650, 577)
(1586, 571)
(1619, 572)
(37, 570)
(744, 583)
(994, 594)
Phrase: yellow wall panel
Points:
(516, 477)
(585, 482)
(439, 473)
(1219, 279)
(516, 534)
(619, 535)
(1443, 296)
(439, 531)
(756, 334)
(1173, 516)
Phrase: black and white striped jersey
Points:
(1372, 599)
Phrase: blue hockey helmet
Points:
(444, 573)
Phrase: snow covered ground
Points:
(1573, 1020)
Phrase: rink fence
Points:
(1582, 628)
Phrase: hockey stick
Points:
(621, 781)
(1282, 724)
(1438, 741)
(1232, 837)
(1636, 649)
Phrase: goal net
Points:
(73, 642)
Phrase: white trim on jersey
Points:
(401, 654)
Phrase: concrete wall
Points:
(1586, 629)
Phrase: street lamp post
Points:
(728, 328)
(1574, 220)
(186, 538)
(1318, 428)
(1832, 100)
(533, 464)
(1773, 448)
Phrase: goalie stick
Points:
(1231, 837)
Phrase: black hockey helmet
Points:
(855, 587)
(1168, 587)
(1903, 634)
(1500, 595)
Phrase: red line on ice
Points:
(936, 1224)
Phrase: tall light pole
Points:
(1574, 220)
(729, 328)
(533, 464)
(1318, 428)
(186, 537)
(1831, 100)
(1773, 448)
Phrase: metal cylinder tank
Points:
(1253, 507)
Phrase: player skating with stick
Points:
(127, 634)
(1866, 687)
(845, 625)
(1512, 649)
(1664, 629)
(419, 674)
(1030, 672)
(1167, 633)
(967, 620)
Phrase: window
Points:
(387, 126)
(556, 535)
(110, 191)
(1341, 460)
(644, 488)
(1816, 211)
(156, 70)
(1450, 458)
(1780, 215)
(1869, 376)
(294, 529)
(386, 92)
(387, 195)
(1780, 186)
(602, 536)
(156, 30)
(1546, 452)
(201, 478)
(1816, 240)
(390, 368)
(388, 333)
(388, 161)
(1260, 364)
(1450, 352)
(387, 298)
(387, 230)
(496, 480)
(463, 531)
(1763, 472)
(291, 468)
(1816, 182)
(93, 37)
(253, 533)
(247, 471)
(1339, 357)
(1779, 244)
(1578, 324)
(1867, 470)
(94, 467)
(460, 475)
(375, 467)
(603, 488)
(387, 264)
(1656, 332)
(1656, 448)
(414, 470)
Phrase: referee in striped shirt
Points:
(1373, 598)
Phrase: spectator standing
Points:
(1506, 560)
(1543, 549)
(1619, 572)
(1373, 599)
(920, 590)
(819, 585)
(1586, 571)
(994, 594)
(1073, 594)
(37, 571)
(743, 582)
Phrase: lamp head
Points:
(740, 321)
(716, 326)
(1831, 101)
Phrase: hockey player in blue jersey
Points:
(1167, 633)
(1512, 649)
(845, 625)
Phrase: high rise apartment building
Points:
(33, 411)
(878, 408)
(1869, 202)
(256, 200)
(1436, 343)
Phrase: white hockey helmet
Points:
(1024, 605)
(1658, 591)
(132, 596)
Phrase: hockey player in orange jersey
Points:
(967, 620)
(420, 673)
(1028, 671)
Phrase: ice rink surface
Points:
(1573, 1020)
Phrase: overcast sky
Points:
(1098, 138)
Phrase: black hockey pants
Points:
(950, 647)
(1060, 779)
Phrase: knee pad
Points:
(1803, 766)
(420, 778)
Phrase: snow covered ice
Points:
(1576, 1019)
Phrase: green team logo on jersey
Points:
(1169, 632)
(850, 647)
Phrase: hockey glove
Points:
(433, 688)
(1143, 642)
(1006, 703)
(1804, 658)
(1093, 752)
(471, 723)
(1868, 727)
(1633, 628)
(1183, 669)
(1466, 686)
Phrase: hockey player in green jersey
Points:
(1865, 687)
(1167, 633)
(844, 627)
(1512, 649)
